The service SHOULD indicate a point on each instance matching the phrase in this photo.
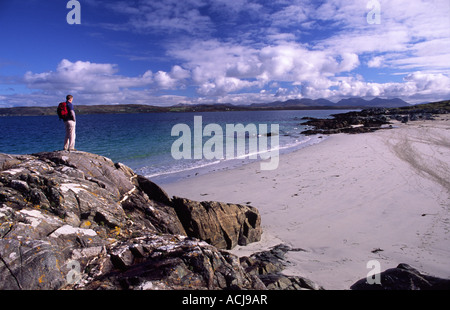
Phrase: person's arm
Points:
(71, 111)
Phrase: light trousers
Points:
(69, 141)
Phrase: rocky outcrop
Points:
(351, 122)
(403, 277)
(165, 262)
(369, 120)
(178, 262)
(66, 216)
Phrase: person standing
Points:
(69, 123)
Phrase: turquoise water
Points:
(144, 141)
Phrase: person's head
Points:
(69, 98)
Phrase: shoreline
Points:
(220, 165)
(348, 200)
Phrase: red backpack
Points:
(62, 111)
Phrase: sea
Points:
(145, 142)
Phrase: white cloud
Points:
(416, 87)
(220, 68)
(164, 80)
(175, 78)
(94, 83)
(416, 34)
(84, 76)
(179, 73)
(376, 62)
(163, 16)
(429, 83)
(224, 85)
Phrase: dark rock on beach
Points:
(403, 277)
(268, 267)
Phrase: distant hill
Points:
(292, 104)
(374, 103)
(82, 109)
(295, 103)
(355, 102)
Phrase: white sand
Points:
(345, 197)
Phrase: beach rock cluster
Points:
(369, 120)
(351, 122)
(79, 221)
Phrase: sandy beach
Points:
(350, 199)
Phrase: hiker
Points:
(69, 123)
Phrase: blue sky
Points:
(223, 51)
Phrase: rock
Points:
(220, 224)
(30, 264)
(153, 191)
(268, 267)
(165, 262)
(403, 277)
(78, 220)
(93, 168)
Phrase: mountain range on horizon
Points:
(356, 102)
(294, 104)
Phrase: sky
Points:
(222, 51)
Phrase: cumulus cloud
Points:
(173, 79)
(101, 83)
(416, 87)
(219, 68)
(376, 62)
(429, 83)
(84, 76)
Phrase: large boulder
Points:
(220, 224)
